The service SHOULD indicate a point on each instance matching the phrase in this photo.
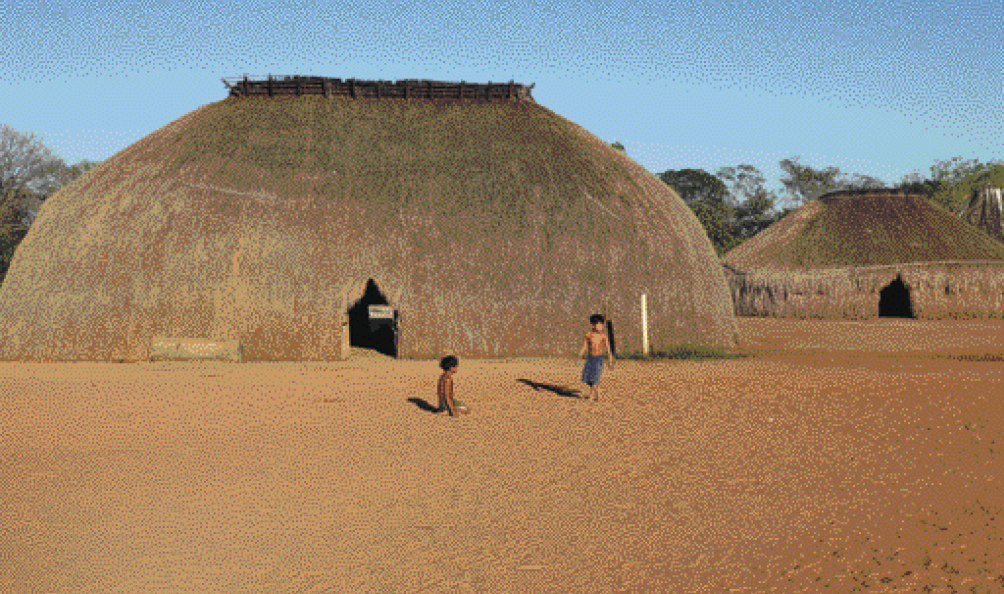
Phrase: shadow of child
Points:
(559, 390)
(424, 405)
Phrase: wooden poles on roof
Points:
(403, 89)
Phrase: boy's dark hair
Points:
(448, 362)
(596, 319)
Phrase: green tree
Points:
(619, 147)
(915, 183)
(863, 182)
(955, 169)
(708, 198)
(754, 204)
(695, 185)
(955, 180)
(804, 183)
(75, 171)
(989, 175)
(718, 220)
(950, 182)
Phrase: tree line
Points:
(734, 204)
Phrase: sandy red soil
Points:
(841, 457)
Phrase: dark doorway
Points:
(894, 300)
(373, 322)
(611, 338)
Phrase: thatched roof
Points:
(863, 228)
(985, 210)
(494, 228)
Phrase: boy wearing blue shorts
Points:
(596, 349)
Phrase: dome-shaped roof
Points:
(863, 228)
(493, 228)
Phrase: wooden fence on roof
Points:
(278, 86)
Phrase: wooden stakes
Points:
(273, 86)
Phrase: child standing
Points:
(449, 365)
(596, 349)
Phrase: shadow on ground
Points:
(424, 405)
(559, 390)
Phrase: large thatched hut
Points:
(866, 254)
(301, 215)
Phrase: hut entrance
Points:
(894, 300)
(373, 322)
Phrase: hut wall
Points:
(551, 316)
(938, 291)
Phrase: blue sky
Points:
(879, 89)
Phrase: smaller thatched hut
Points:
(867, 254)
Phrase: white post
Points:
(644, 325)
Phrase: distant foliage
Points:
(804, 183)
(29, 173)
(863, 182)
(619, 147)
(755, 208)
(731, 205)
(951, 182)
(75, 171)
(696, 186)
(27, 165)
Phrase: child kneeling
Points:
(447, 401)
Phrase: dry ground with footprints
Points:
(841, 457)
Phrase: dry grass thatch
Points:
(863, 229)
(168, 348)
(938, 290)
(985, 210)
(832, 258)
(494, 228)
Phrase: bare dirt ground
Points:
(841, 457)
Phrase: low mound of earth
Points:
(841, 456)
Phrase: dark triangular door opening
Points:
(373, 322)
(894, 300)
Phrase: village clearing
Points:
(842, 456)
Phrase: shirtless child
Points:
(596, 348)
(447, 402)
